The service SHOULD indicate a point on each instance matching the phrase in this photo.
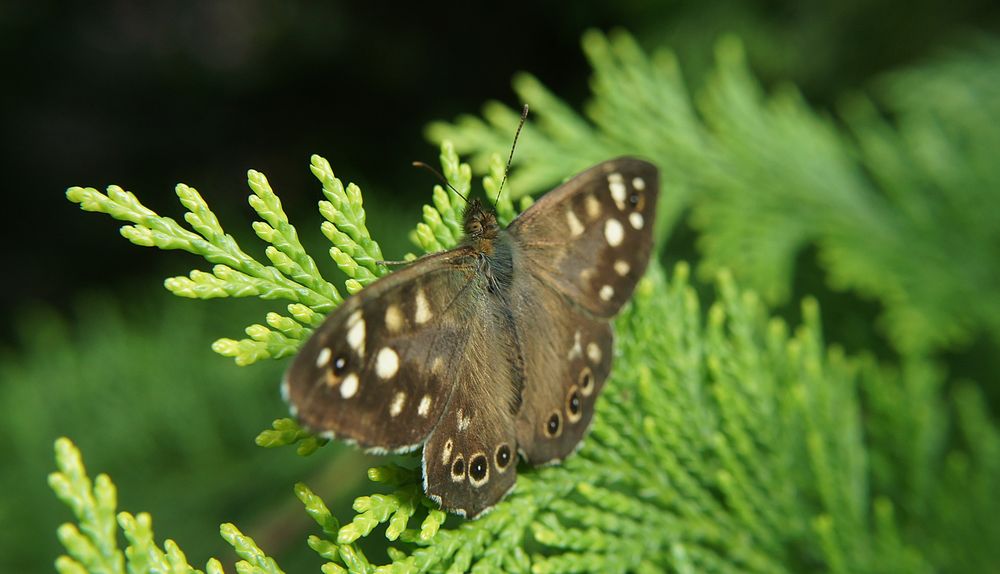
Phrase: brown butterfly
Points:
(494, 349)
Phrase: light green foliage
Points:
(442, 222)
(356, 254)
(291, 275)
(131, 378)
(904, 212)
(286, 431)
(92, 543)
(728, 444)
(725, 440)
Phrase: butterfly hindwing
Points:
(470, 459)
(565, 372)
(374, 371)
(591, 237)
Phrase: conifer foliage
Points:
(726, 440)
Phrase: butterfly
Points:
(493, 350)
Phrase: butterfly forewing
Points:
(375, 372)
(591, 237)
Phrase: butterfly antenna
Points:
(524, 118)
(441, 177)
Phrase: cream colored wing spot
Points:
(575, 227)
(356, 335)
(593, 207)
(622, 267)
(425, 406)
(463, 421)
(393, 318)
(398, 402)
(616, 185)
(386, 363)
(639, 183)
(594, 353)
(607, 292)
(636, 219)
(423, 311)
(349, 387)
(577, 349)
(354, 318)
(446, 451)
(323, 357)
(614, 232)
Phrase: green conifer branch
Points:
(442, 222)
(292, 273)
(93, 543)
(902, 212)
(354, 251)
(255, 561)
(285, 251)
(737, 447)
(284, 432)
(724, 441)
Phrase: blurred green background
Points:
(147, 96)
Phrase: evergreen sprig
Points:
(291, 275)
(725, 440)
(92, 543)
(728, 444)
(905, 212)
(284, 432)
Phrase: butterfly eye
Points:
(502, 456)
(586, 381)
(553, 425)
(478, 470)
(458, 468)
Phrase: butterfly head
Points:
(480, 223)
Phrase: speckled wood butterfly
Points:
(491, 350)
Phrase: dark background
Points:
(146, 95)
